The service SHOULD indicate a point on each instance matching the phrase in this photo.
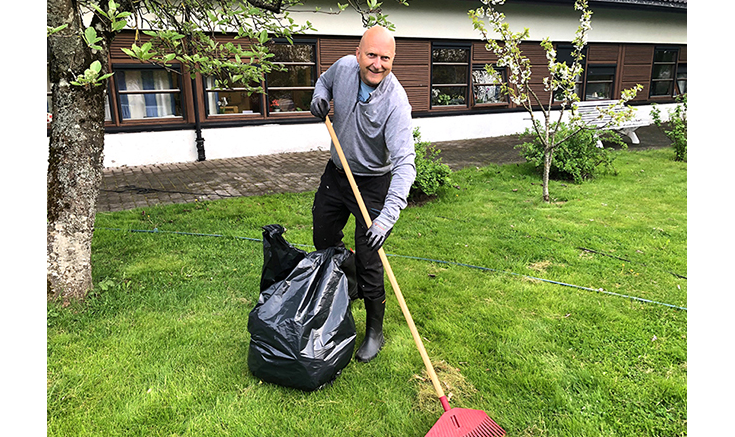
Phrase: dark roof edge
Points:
(664, 4)
(659, 5)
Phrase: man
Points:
(372, 120)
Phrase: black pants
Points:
(333, 203)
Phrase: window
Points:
(449, 76)
(485, 88)
(564, 54)
(664, 72)
(600, 82)
(230, 101)
(291, 90)
(681, 79)
(147, 92)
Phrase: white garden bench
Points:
(592, 116)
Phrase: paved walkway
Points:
(126, 188)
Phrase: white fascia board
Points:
(441, 19)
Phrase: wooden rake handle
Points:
(389, 270)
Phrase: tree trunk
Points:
(548, 154)
(75, 158)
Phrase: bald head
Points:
(375, 55)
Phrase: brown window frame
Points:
(581, 80)
(270, 107)
(672, 80)
(588, 71)
(467, 82)
(504, 78)
(115, 94)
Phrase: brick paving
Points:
(125, 188)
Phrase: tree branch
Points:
(274, 7)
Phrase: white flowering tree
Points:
(559, 84)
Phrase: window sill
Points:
(490, 105)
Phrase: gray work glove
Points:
(376, 234)
(320, 108)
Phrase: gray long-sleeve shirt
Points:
(375, 135)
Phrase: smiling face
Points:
(375, 55)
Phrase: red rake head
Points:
(463, 422)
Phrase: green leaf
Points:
(118, 25)
(96, 66)
(263, 37)
(90, 35)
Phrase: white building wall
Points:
(180, 146)
(142, 148)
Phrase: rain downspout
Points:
(197, 123)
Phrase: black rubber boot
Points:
(374, 340)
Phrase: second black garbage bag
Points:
(302, 333)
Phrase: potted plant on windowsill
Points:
(275, 107)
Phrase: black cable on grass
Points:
(487, 269)
(626, 260)
(598, 290)
(597, 252)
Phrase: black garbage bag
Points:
(302, 333)
(279, 256)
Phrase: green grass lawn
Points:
(160, 346)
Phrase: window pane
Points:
(485, 88)
(488, 94)
(598, 91)
(289, 100)
(681, 72)
(681, 78)
(295, 75)
(292, 53)
(601, 74)
(662, 71)
(564, 54)
(682, 86)
(665, 55)
(149, 105)
(480, 76)
(136, 107)
(661, 88)
(232, 102)
(220, 102)
(450, 55)
(449, 74)
(108, 112)
(449, 96)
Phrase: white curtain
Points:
(137, 106)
